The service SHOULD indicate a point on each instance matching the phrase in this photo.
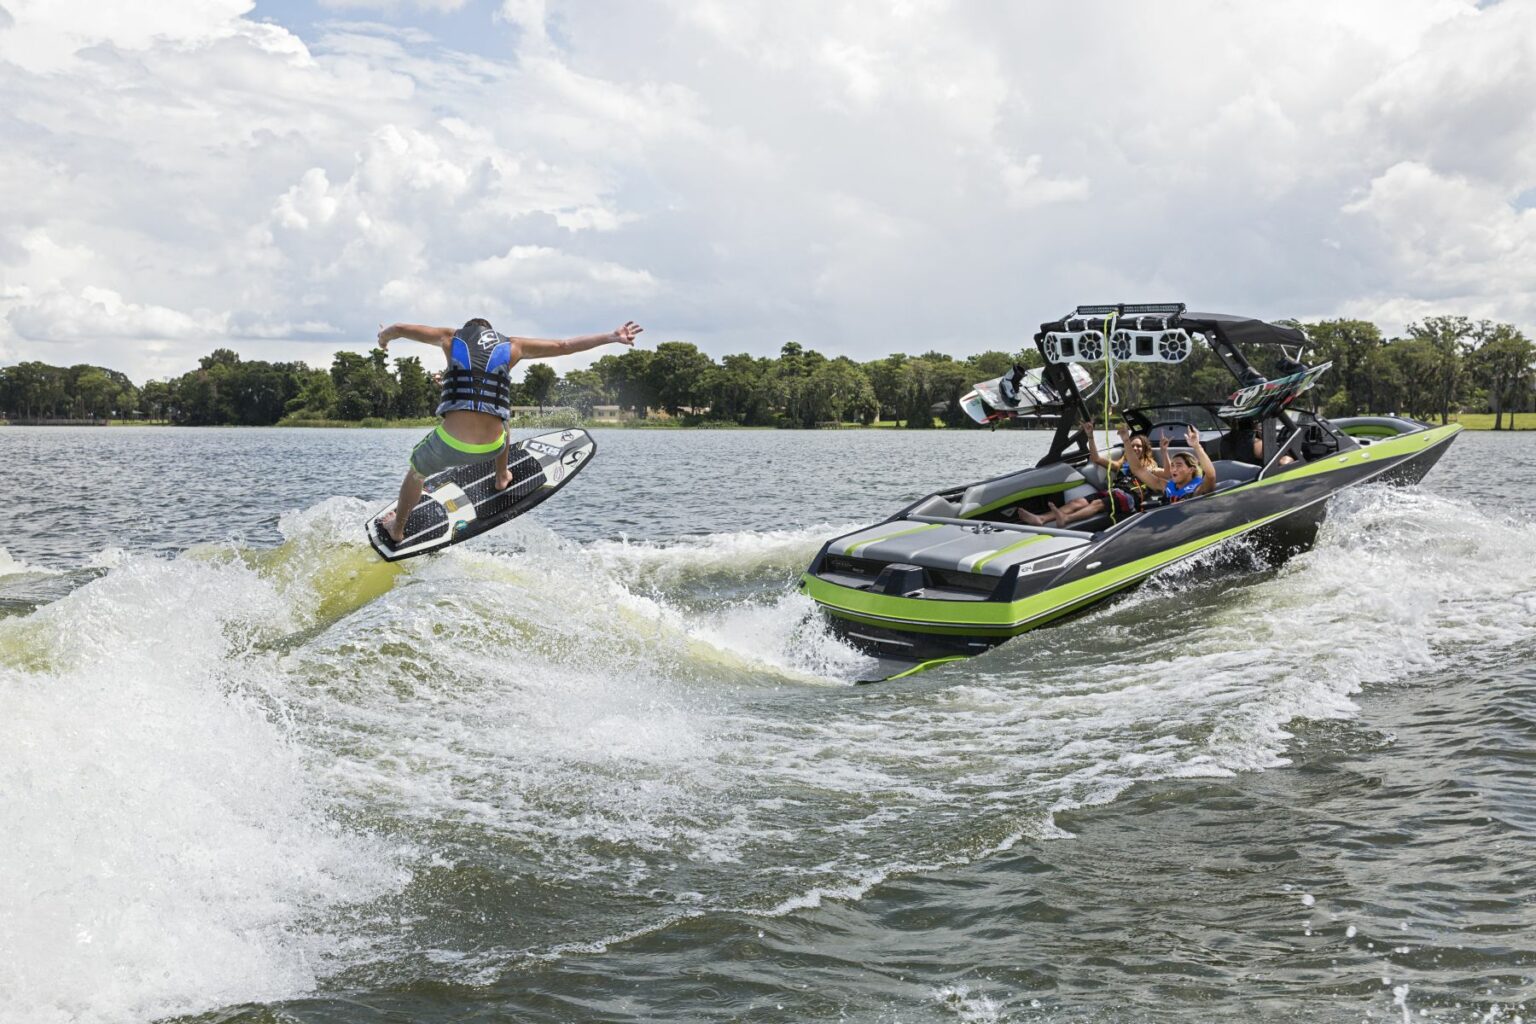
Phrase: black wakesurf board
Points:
(463, 502)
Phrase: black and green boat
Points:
(955, 573)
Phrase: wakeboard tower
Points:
(463, 502)
(956, 572)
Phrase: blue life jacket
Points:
(1173, 492)
(479, 375)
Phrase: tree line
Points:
(1440, 366)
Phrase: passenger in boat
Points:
(1126, 491)
(1258, 453)
(1190, 473)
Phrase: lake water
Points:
(604, 765)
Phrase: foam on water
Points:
(164, 851)
(661, 728)
(11, 567)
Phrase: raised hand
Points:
(1192, 436)
(626, 335)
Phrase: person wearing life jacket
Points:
(1125, 495)
(476, 399)
(1190, 473)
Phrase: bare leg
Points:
(1038, 520)
(410, 493)
(1087, 510)
(503, 478)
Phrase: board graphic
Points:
(1260, 400)
(463, 502)
(1001, 398)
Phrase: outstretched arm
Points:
(542, 348)
(1207, 470)
(1093, 447)
(1150, 477)
(441, 337)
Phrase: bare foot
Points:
(1029, 517)
(388, 522)
(503, 480)
(1058, 515)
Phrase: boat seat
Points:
(1231, 473)
(1095, 476)
(984, 497)
(937, 505)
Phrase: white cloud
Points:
(863, 177)
(1452, 244)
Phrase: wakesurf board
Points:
(463, 502)
(1017, 394)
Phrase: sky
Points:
(280, 177)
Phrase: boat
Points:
(955, 573)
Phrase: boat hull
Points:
(1281, 513)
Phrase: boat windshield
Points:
(1202, 417)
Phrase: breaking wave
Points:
(245, 774)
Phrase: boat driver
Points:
(476, 399)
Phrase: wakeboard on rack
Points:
(1019, 392)
(463, 502)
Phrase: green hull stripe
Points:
(1018, 496)
(1396, 448)
(852, 548)
(993, 616)
(997, 614)
(1026, 542)
(470, 449)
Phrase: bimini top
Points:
(1243, 330)
(1160, 333)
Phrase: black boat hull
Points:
(1281, 513)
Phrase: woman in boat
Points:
(1126, 490)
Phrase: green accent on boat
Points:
(852, 548)
(924, 666)
(470, 449)
(1018, 496)
(1392, 448)
(1026, 542)
(912, 611)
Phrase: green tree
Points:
(1503, 362)
(364, 385)
(838, 390)
(538, 382)
(1354, 347)
(891, 379)
(155, 400)
(418, 394)
(316, 397)
(740, 389)
(1417, 368)
(678, 374)
(1449, 337)
(627, 378)
(582, 390)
